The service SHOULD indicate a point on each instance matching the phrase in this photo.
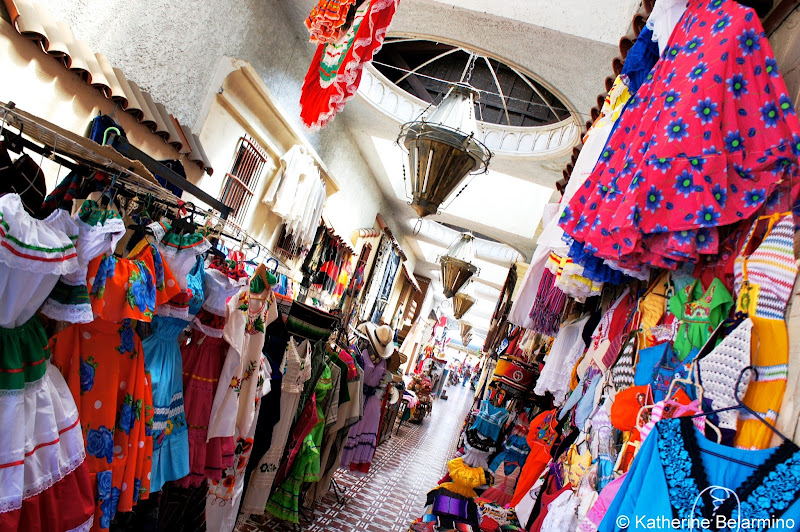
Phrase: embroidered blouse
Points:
(671, 478)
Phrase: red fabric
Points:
(541, 437)
(203, 359)
(549, 494)
(326, 90)
(702, 144)
(66, 505)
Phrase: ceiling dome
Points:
(508, 97)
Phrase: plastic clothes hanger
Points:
(741, 406)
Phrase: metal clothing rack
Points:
(73, 151)
(119, 158)
(130, 151)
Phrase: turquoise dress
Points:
(163, 361)
(490, 420)
(672, 479)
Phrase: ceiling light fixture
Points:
(466, 339)
(463, 301)
(457, 267)
(465, 327)
(443, 150)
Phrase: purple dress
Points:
(360, 446)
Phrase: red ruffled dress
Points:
(702, 144)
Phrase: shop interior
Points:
(412, 266)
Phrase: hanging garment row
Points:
(122, 319)
(648, 381)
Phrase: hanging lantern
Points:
(457, 267)
(462, 302)
(466, 339)
(443, 150)
(466, 327)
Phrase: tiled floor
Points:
(393, 494)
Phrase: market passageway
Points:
(404, 469)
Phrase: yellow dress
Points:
(465, 478)
(764, 282)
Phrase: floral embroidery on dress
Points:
(684, 494)
(100, 443)
(776, 493)
(106, 269)
(87, 371)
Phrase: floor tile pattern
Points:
(392, 494)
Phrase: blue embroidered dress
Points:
(163, 360)
(490, 420)
(671, 478)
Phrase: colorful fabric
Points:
(203, 358)
(764, 278)
(541, 437)
(336, 69)
(131, 288)
(43, 456)
(702, 144)
(99, 232)
(170, 430)
(33, 255)
(764, 281)
(178, 250)
(699, 312)
(363, 436)
(296, 371)
(222, 502)
(327, 21)
(285, 501)
(103, 363)
(672, 478)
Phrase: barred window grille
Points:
(240, 183)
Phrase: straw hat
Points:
(394, 395)
(381, 338)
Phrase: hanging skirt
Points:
(44, 482)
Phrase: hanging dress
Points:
(42, 453)
(672, 478)
(285, 501)
(764, 279)
(99, 232)
(163, 360)
(249, 314)
(132, 288)
(702, 144)
(203, 359)
(541, 437)
(363, 436)
(504, 484)
(103, 363)
(296, 371)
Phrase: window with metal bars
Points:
(240, 183)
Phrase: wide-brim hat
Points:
(394, 395)
(381, 338)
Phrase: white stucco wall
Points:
(172, 49)
(598, 20)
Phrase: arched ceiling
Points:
(564, 46)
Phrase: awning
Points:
(392, 239)
(334, 233)
(35, 22)
(410, 276)
(369, 233)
